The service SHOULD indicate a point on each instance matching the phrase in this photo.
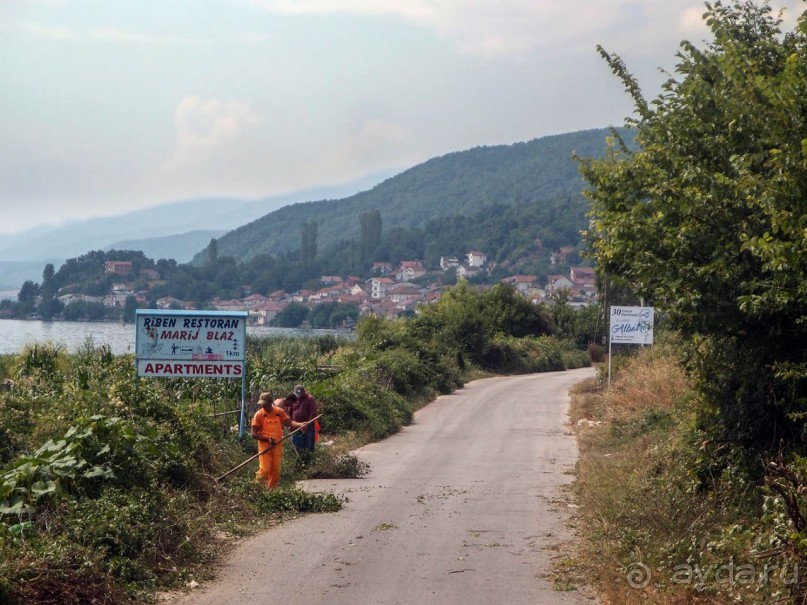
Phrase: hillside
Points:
(464, 182)
(180, 247)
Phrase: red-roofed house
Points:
(379, 287)
(409, 270)
(522, 283)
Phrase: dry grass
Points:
(654, 381)
(632, 486)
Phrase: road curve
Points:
(460, 507)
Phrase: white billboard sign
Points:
(184, 344)
(631, 325)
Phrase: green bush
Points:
(508, 355)
(16, 425)
(352, 402)
(138, 530)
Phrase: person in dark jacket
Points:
(304, 410)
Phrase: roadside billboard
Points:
(631, 325)
(190, 344)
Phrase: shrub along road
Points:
(462, 506)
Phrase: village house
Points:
(118, 295)
(302, 296)
(432, 293)
(556, 283)
(561, 256)
(382, 268)
(449, 262)
(326, 294)
(254, 300)
(169, 302)
(118, 267)
(379, 287)
(402, 293)
(467, 271)
(67, 299)
(384, 308)
(357, 290)
(278, 296)
(353, 299)
(410, 270)
(524, 284)
(264, 313)
(584, 280)
(581, 276)
(227, 305)
(476, 259)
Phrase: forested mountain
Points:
(537, 173)
(181, 246)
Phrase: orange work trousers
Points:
(269, 464)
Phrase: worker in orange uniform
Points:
(267, 429)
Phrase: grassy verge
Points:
(655, 526)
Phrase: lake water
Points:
(15, 334)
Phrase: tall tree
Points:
(707, 219)
(308, 242)
(47, 291)
(129, 309)
(212, 252)
(370, 233)
(27, 296)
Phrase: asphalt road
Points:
(463, 506)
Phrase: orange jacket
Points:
(270, 424)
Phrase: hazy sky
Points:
(108, 106)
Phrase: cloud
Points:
(373, 140)
(122, 36)
(205, 130)
(46, 31)
(509, 28)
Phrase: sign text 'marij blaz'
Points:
(190, 343)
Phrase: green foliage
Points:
(292, 316)
(94, 451)
(324, 462)
(16, 424)
(707, 219)
(352, 401)
(332, 315)
(294, 499)
(581, 325)
(39, 360)
(465, 320)
(509, 355)
(134, 528)
(433, 365)
(281, 362)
